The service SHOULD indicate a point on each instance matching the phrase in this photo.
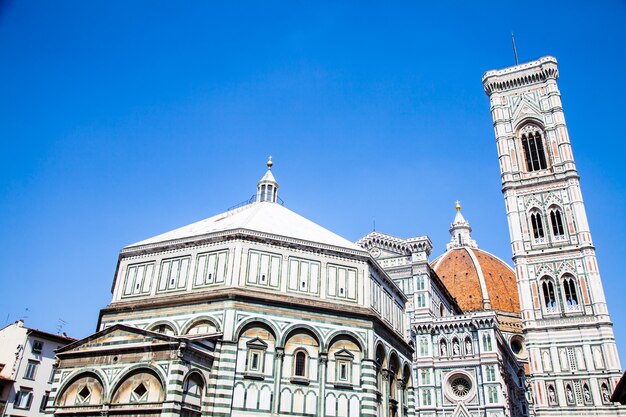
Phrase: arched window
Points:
(569, 290)
(534, 152)
(556, 220)
(537, 224)
(299, 368)
(549, 299)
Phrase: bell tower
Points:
(569, 336)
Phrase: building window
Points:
(493, 395)
(534, 152)
(138, 278)
(487, 342)
(423, 346)
(341, 282)
(299, 368)
(426, 397)
(421, 283)
(256, 355)
(264, 269)
(255, 360)
(174, 274)
(304, 276)
(425, 375)
(210, 268)
(83, 396)
(343, 363)
(139, 394)
(556, 220)
(490, 371)
(421, 300)
(549, 300)
(31, 370)
(44, 401)
(37, 347)
(23, 399)
(537, 224)
(52, 372)
(569, 290)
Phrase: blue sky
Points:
(122, 120)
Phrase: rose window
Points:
(460, 386)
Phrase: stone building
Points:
(569, 336)
(253, 311)
(27, 363)
(259, 311)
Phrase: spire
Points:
(267, 188)
(460, 231)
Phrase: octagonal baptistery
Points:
(479, 280)
(255, 311)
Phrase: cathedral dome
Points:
(477, 279)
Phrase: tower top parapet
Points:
(519, 76)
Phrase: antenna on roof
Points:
(24, 316)
(373, 225)
(514, 48)
(60, 325)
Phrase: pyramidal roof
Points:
(265, 216)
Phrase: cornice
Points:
(240, 233)
(518, 76)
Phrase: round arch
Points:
(295, 327)
(347, 334)
(380, 355)
(83, 373)
(131, 370)
(163, 323)
(250, 321)
(193, 321)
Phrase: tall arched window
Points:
(537, 224)
(300, 364)
(549, 299)
(556, 220)
(534, 152)
(569, 290)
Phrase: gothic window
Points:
(556, 220)
(426, 397)
(487, 342)
(537, 224)
(441, 310)
(425, 377)
(534, 152)
(421, 300)
(569, 290)
(491, 373)
(423, 346)
(299, 367)
(549, 299)
(493, 395)
(468, 346)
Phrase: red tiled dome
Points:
(478, 280)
